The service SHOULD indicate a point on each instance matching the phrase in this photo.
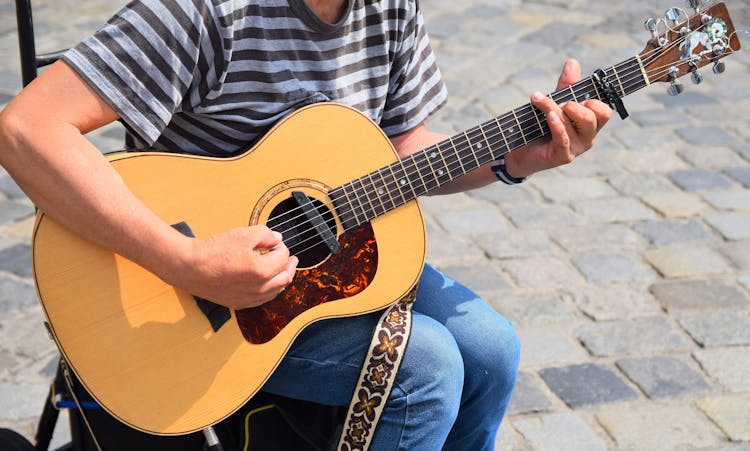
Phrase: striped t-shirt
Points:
(211, 76)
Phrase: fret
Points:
(572, 91)
(515, 116)
(614, 72)
(387, 190)
(598, 94)
(342, 208)
(500, 127)
(352, 205)
(472, 147)
(406, 180)
(379, 191)
(458, 157)
(359, 202)
(445, 165)
(413, 161)
(367, 200)
(428, 156)
(487, 143)
(536, 116)
(397, 185)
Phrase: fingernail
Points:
(277, 235)
(537, 96)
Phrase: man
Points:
(208, 78)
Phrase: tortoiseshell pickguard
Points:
(345, 274)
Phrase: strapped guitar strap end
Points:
(378, 373)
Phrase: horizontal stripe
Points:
(209, 77)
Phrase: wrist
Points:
(516, 168)
(502, 172)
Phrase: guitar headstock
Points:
(682, 44)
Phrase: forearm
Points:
(72, 183)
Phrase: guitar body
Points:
(145, 350)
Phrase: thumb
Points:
(267, 239)
(570, 74)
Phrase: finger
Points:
(544, 103)
(601, 110)
(583, 122)
(570, 74)
(266, 238)
(560, 137)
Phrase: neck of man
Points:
(328, 10)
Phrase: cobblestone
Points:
(700, 294)
(533, 309)
(606, 268)
(682, 261)
(676, 204)
(586, 385)
(558, 431)
(659, 427)
(616, 301)
(729, 200)
(699, 179)
(733, 226)
(729, 366)
(636, 336)
(730, 414)
(548, 345)
(722, 328)
(529, 396)
(664, 377)
(614, 210)
(597, 238)
(672, 231)
(741, 175)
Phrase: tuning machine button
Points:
(673, 15)
(675, 87)
(696, 5)
(719, 67)
(651, 26)
(697, 77)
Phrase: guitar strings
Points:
(504, 118)
(453, 162)
(628, 78)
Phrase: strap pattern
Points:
(377, 375)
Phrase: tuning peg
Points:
(675, 88)
(650, 25)
(719, 67)
(697, 78)
(673, 15)
(696, 5)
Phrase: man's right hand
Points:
(241, 268)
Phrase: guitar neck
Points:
(381, 191)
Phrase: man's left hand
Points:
(573, 127)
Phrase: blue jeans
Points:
(455, 380)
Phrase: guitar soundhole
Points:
(298, 232)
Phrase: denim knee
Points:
(430, 381)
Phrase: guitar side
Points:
(144, 349)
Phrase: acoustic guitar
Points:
(329, 180)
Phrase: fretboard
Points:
(381, 191)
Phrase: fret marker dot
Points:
(588, 96)
(380, 191)
(433, 154)
(441, 172)
(479, 145)
(403, 182)
(511, 130)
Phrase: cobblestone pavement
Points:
(627, 274)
